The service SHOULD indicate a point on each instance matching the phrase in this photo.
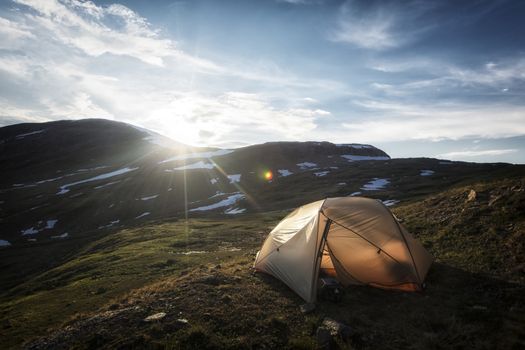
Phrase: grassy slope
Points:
(104, 290)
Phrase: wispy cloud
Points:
(379, 26)
(388, 121)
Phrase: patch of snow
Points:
(213, 181)
(50, 224)
(63, 235)
(29, 231)
(199, 165)
(18, 185)
(170, 189)
(375, 184)
(111, 205)
(107, 184)
(21, 136)
(334, 167)
(217, 194)
(217, 153)
(321, 173)
(390, 202)
(111, 223)
(233, 211)
(341, 184)
(89, 169)
(191, 252)
(149, 197)
(354, 145)
(355, 194)
(31, 239)
(143, 215)
(65, 188)
(4, 243)
(426, 172)
(306, 165)
(353, 158)
(49, 180)
(234, 178)
(231, 200)
(284, 172)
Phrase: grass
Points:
(98, 295)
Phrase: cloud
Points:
(98, 30)
(389, 121)
(379, 27)
(480, 153)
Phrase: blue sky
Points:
(415, 78)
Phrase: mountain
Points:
(65, 177)
(112, 236)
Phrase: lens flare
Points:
(268, 175)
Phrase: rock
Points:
(155, 317)
(493, 199)
(337, 329)
(324, 338)
(471, 196)
(307, 308)
(226, 299)
(214, 280)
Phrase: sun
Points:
(268, 175)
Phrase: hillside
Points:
(199, 274)
(103, 224)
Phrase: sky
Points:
(415, 78)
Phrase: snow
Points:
(232, 211)
(149, 197)
(64, 235)
(231, 200)
(143, 215)
(65, 189)
(49, 180)
(89, 169)
(170, 189)
(321, 173)
(199, 165)
(426, 172)
(334, 167)
(353, 145)
(21, 136)
(375, 184)
(284, 172)
(4, 243)
(352, 158)
(341, 184)
(50, 224)
(107, 184)
(234, 178)
(191, 252)
(29, 231)
(355, 194)
(111, 223)
(306, 165)
(213, 181)
(390, 202)
(217, 153)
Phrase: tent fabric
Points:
(355, 239)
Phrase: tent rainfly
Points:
(357, 240)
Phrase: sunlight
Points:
(175, 124)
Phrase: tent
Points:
(357, 240)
